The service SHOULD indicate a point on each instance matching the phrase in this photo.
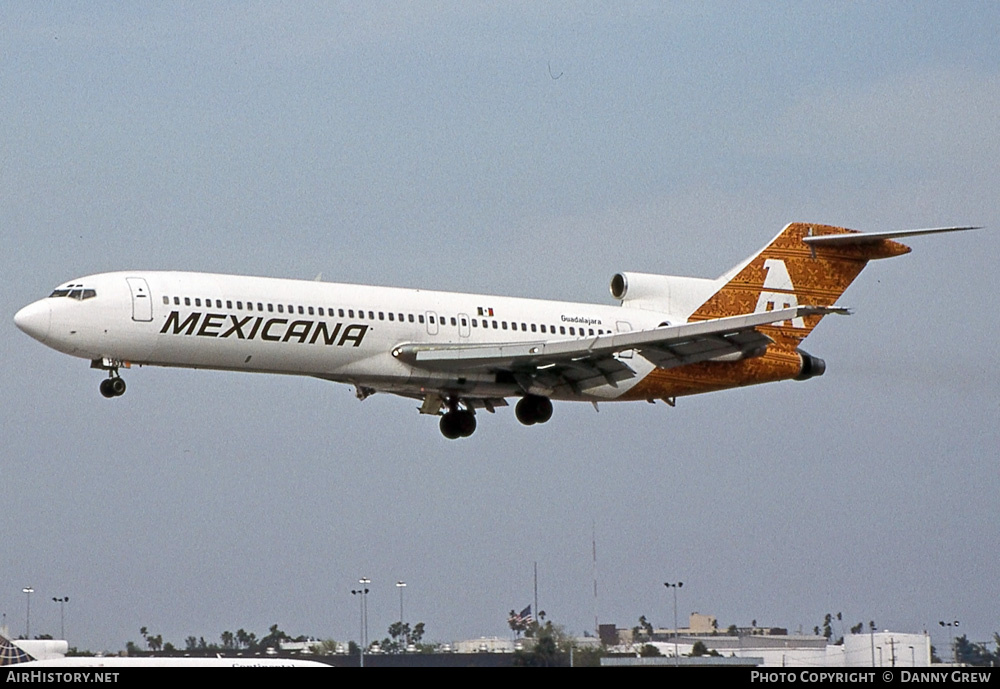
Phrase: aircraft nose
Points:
(34, 319)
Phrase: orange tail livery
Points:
(806, 264)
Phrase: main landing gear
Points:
(113, 386)
(457, 423)
(532, 409)
(461, 423)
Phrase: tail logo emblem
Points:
(778, 292)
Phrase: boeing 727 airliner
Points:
(461, 353)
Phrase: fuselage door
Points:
(432, 324)
(464, 328)
(624, 327)
(142, 303)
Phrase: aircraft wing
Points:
(593, 361)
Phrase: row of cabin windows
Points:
(402, 318)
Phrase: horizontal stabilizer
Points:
(866, 237)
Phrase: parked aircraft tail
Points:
(11, 654)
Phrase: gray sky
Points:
(508, 149)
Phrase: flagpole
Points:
(536, 590)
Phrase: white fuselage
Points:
(340, 332)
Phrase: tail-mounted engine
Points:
(812, 366)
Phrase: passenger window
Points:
(229, 304)
(166, 300)
(562, 329)
(281, 308)
(239, 306)
(453, 321)
(543, 327)
(475, 323)
(350, 313)
(320, 309)
(301, 311)
(381, 316)
(371, 315)
(341, 312)
(533, 328)
(420, 318)
(270, 307)
(249, 306)
(431, 319)
(411, 317)
(260, 306)
(310, 310)
(494, 325)
(187, 301)
(503, 324)
(177, 301)
(391, 316)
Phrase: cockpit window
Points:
(78, 292)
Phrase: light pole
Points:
(363, 593)
(871, 628)
(675, 586)
(954, 642)
(400, 585)
(62, 617)
(28, 590)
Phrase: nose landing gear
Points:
(113, 386)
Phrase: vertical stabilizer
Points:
(788, 272)
(11, 654)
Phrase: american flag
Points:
(524, 616)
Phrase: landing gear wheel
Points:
(117, 386)
(525, 411)
(460, 423)
(543, 409)
(113, 387)
(466, 423)
(449, 426)
(533, 409)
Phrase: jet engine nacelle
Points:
(634, 286)
(675, 295)
(812, 366)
